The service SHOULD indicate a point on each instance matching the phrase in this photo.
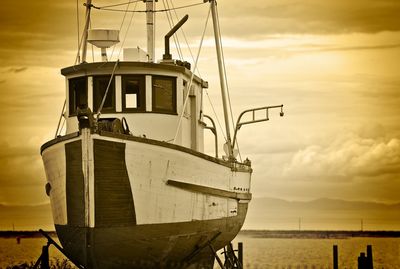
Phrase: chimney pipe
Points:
(167, 55)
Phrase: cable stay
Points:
(105, 8)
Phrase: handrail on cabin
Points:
(213, 129)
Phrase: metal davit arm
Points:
(213, 129)
(240, 123)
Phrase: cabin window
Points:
(133, 93)
(164, 94)
(100, 84)
(78, 95)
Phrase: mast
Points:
(150, 21)
(85, 30)
(221, 75)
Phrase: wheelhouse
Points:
(149, 96)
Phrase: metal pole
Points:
(240, 253)
(221, 74)
(85, 30)
(150, 21)
(45, 258)
(369, 257)
(335, 257)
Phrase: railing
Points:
(213, 129)
(253, 111)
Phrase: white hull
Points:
(168, 185)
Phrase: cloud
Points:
(312, 16)
(16, 69)
(20, 165)
(346, 158)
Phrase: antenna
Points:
(103, 39)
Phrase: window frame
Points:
(174, 97)
(112, 89)
(142, 93)
(73, 112)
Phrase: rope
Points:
(144, 11)
(191, 78)
(108, 87)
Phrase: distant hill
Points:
(264, 213)
(22, 217)
(322, 214)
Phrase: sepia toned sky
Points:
(335, 65)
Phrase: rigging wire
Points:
(106, 92)
(92, 47)
(226, 83)
(127, 30)
(191, 78)
(196, 68)
(120, 28)
(77, 20)
(77, 58)
(121, 4)
(171, 24)
(144, 11)
(115, 66)
(61, 116)
(215, 113)
(178, 44)
(184, 36)
(62, 126)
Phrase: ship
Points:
(129, 183)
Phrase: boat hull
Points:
(170, 245)
(125, 202)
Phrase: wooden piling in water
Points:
(369, 257)
(335, 257)
(362, 261)
(240, 253)
(44, 264)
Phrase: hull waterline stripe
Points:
(209, 190)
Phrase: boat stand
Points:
(231, 261)
(43, 260)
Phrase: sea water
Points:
(286, 253)
(258, 253)
(27, 251)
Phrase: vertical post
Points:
(240, 253)
(299, 224)
(45, 258)
(221, 74)
(335, 257)
(369, 257)
(150, 22)
(85, 30)
(361, 261)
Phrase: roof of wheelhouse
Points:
(100, 67)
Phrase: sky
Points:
(335, 65)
